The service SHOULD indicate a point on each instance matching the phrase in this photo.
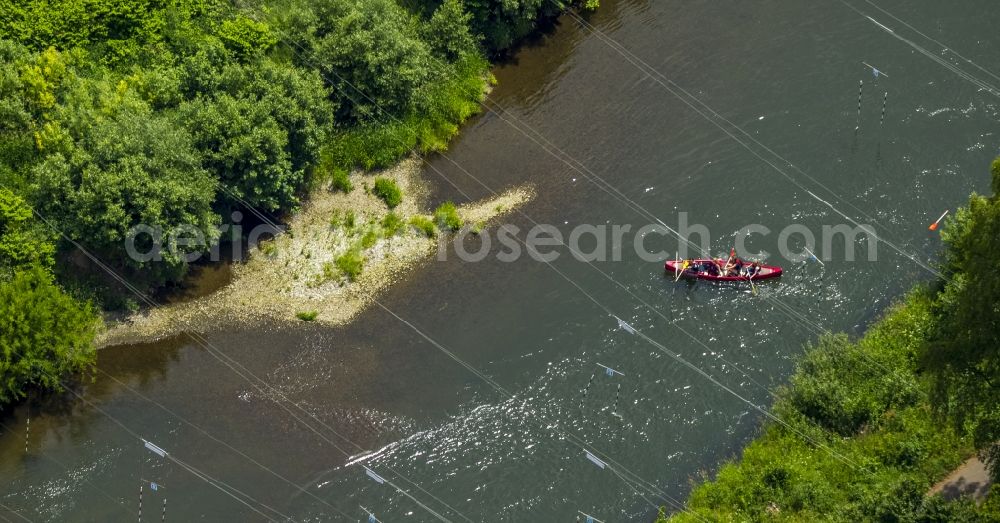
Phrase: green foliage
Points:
(879, 402)
(447, 32)
(44, 334)
(369, 238)
(387, 190)
(392, 224)
(962, 355)
(23, 241)
(350, 264)
(446, 216)
(336, 218)
(450, 101)
(902, 448)
(246, 37)
(307, 315)
(113, 29)
(261, 134)
(845, 387)
(371, 146)
(502, 23)
(341, 181)
(129, 169)
(370, 51)
(995, 172)
(424, 225)
(439, 108)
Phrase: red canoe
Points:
(696, 269)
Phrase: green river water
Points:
(785, 72)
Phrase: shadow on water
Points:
(135, 364)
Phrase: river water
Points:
(787, 73)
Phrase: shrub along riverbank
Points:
(172, 114)
(890, 414)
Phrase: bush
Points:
(392, 225)
(350, 264)
(447, 32)
(23, 240)
(306, 315)
(446, 216)
(44, 334)
(388, 191)
(341, 180)
(368, 239)
(424, 225)
(336, 218)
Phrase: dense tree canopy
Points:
(23, 241)
(44, 333)
(164, 115)
(130, 169)
(372, 55)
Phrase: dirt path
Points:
(969, 479)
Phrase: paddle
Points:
(680, 272)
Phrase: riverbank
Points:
(861, 443)
(877, 428)
(173, 117)
(295, 276)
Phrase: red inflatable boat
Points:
(705, 269)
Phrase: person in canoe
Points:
(734, 267)
(722, 269)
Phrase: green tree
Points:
(116, 29)
(261, 132)
(962, 356)
(44, 334)
(17, 146)
(23, 241)
(127, 170)
(373, 57)
(241, 143)
(245, 36)
(447, 32)
(503, 22)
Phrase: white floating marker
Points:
(875, 71)
(624, 326)
(587, 517)
(154, 449)
(597, 461)
(371, 474)
(813, 256)
(609, 371)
